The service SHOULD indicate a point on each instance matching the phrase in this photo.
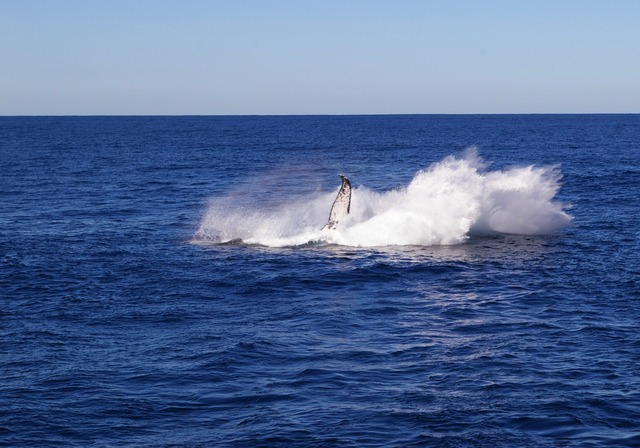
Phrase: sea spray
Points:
(443, 204)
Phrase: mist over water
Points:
(443, 204)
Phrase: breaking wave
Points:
(443, 204)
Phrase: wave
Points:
(444, 204)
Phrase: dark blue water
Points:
(120, 326)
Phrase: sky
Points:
(272, 57)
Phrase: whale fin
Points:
(341, 205)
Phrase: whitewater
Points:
(444, 204)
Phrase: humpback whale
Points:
(341, 205)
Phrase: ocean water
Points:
(164, 281)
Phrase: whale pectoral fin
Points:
(329, 226)
(341, 206)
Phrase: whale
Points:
(341, 206)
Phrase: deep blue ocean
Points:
(164, 281)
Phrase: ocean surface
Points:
(164, 281)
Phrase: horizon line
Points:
(316, 115)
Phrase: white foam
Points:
(443, 204)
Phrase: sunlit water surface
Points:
(164, 281)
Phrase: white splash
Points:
(443, 204)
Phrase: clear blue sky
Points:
(318, 56)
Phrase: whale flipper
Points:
(341, 205)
